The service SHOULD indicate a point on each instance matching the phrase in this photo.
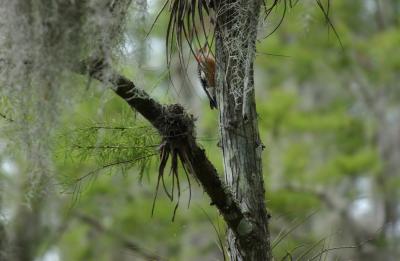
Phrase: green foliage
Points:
(363, 161)
(317, 107)
(116, 145)
(322, 134)
(281, 202)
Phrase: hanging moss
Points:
(40, 40)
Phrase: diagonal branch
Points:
(160, 117)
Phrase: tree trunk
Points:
(236, 32)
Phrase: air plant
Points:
(193, 22)
(178, 128)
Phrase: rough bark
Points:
(236, 33)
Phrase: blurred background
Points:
(329, 116)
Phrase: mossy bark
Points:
(236, 32)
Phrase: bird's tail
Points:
(213, 101)
(213, 104)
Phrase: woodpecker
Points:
(206, 70)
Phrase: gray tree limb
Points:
(236, 33)
(160, 116)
